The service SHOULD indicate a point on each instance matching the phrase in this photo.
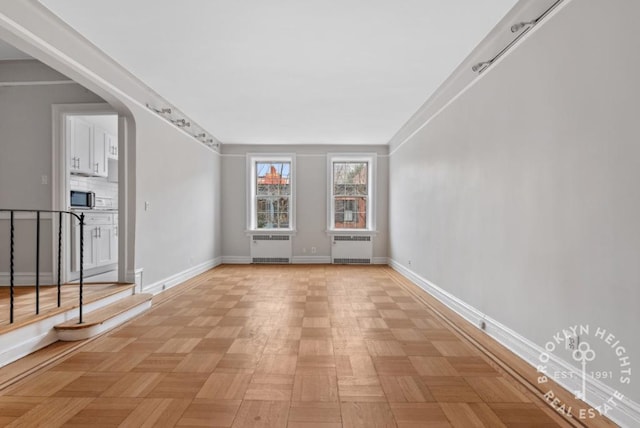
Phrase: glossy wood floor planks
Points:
(278, 346)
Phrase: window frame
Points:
(370, 158)
(252, 160)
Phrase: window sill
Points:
(353, 232)
(290, 232)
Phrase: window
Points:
(271, 193)
(351, 192)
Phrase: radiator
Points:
(351, 249)
(271, 249)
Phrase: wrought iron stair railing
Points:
(12, 271)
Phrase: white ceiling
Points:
(289, 71)
(8, 52)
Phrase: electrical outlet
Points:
(571, 342)
(409, 262)
(147, 205)
(44, 179)
(304, 250)
(313, 250)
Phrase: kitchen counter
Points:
(94, 210)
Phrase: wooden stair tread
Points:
(49, 312)
(101, 315)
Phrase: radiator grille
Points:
(270, 260)
(270, 237)
(346, 261)
(351, 238)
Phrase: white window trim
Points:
(252, 159)
(371, 158)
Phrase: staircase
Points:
(33, 317)
(113, 305)
(104, 319)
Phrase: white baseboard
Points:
(26, 278)
(311, 260)
(136, 276)
(236, 260)
(180, 277)
(625, 413)
(380, 261)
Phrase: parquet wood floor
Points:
(278, 346)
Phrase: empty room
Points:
(307, 214)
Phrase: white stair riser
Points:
(111, 323)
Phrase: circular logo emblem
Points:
(590, 352)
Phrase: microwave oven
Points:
(81, 199)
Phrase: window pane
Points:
(350, 178)
(350, 212)
(273, 187)
(273, 178)
(272, 212)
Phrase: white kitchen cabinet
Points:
(112, 146)
(89, 253)
(106, 251)
(100, 150)
(88, 148)
(100, 241)
(80, 134)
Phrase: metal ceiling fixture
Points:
(483, 65)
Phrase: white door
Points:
(112, 151)
(106, 251)
(89, 253)
(81, 145)
(100, 147)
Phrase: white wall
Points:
(311, 198)
(162, 164)
(25, 157)
(179, 177)
(521, 197)
(26, 131)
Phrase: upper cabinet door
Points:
(100, 147)
(112, 146)
(81, 146)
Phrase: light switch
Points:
(44, 179)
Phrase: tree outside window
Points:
(350, 193)
(272, 195)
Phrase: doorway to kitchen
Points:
(86, 169)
